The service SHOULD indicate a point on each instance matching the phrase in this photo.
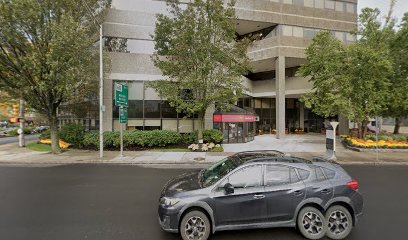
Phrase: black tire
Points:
(311, 223)
(195, 225)
(339, 222)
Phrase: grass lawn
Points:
(38, 147)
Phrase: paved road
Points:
(6, 140)
(99, 202)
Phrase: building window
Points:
(319, 4)
(167, 110)
(351, 8)
(297, 32)
(287, 1)
(152, 108)
(135, 109)
(340, 6)
(287, 30)
(329, 4)
(309, 3)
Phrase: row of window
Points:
(308, 33)
(323, 4)
(274, 175)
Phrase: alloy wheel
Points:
(195, 228)
(312, 223)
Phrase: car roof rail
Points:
(280, 159)
(262, 151)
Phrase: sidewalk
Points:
(12, 154)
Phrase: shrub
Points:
(189, 138)
(401, 138)
(12, 133)
(28, 130)
(73, 133)
(45, 135)
(155, 138)
(213, 136)
(91, 140)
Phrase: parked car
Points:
(262, 189)
(40, 129)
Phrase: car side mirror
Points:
(229, 189)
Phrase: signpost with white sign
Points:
(331, 141)
(121, 100)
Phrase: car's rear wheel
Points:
(339, 222)
(311, 223)
(195, 225)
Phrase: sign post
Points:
(331, 141)
(121, 100)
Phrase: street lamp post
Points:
(101, 106)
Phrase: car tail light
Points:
(353, 185)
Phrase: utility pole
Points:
(21, 140)
(101, 106)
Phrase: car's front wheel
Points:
(195, 225)
(311, 223)
(339, 222)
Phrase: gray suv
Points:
(262, 189)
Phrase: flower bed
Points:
(361, 143)
(62, 144)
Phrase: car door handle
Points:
(259, 196)
(325, 191)
(298, 192)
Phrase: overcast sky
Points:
(400, 8)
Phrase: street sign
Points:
(121, 95)
(123, 115)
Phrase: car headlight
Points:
(169, 202)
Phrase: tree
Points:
(398, 102)
(350, 80)
(197, 52)
(47, 53)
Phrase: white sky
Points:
(400, 8)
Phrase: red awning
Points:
(234, 118)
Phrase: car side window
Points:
(319, 174)
(247, 177)
(304, 174)
(329, 173)
(277, 175)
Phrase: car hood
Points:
(183, 183)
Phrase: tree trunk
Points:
(362, 129)
(397, 126)
(53, 120)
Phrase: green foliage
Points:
(73, 133)
(45, 135)
(197, 52)
(217, 149)
(47, 53)
(28, 130)
(189, 138)
(155, 138)
(388, 137)
(213, 136)
(38, 147)
(13, 133)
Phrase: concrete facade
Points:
(286, 26)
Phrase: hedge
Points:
(73, 133)
(155, 138)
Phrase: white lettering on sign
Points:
(118, 87)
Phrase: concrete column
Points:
(280, 96)
(208, 118)
(343, 125)
(107, 101)
(302, 115)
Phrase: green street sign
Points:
(123, 115)
(121, 95)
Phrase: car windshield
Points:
(219, 170)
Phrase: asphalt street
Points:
(6, 140)
(102, 202)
